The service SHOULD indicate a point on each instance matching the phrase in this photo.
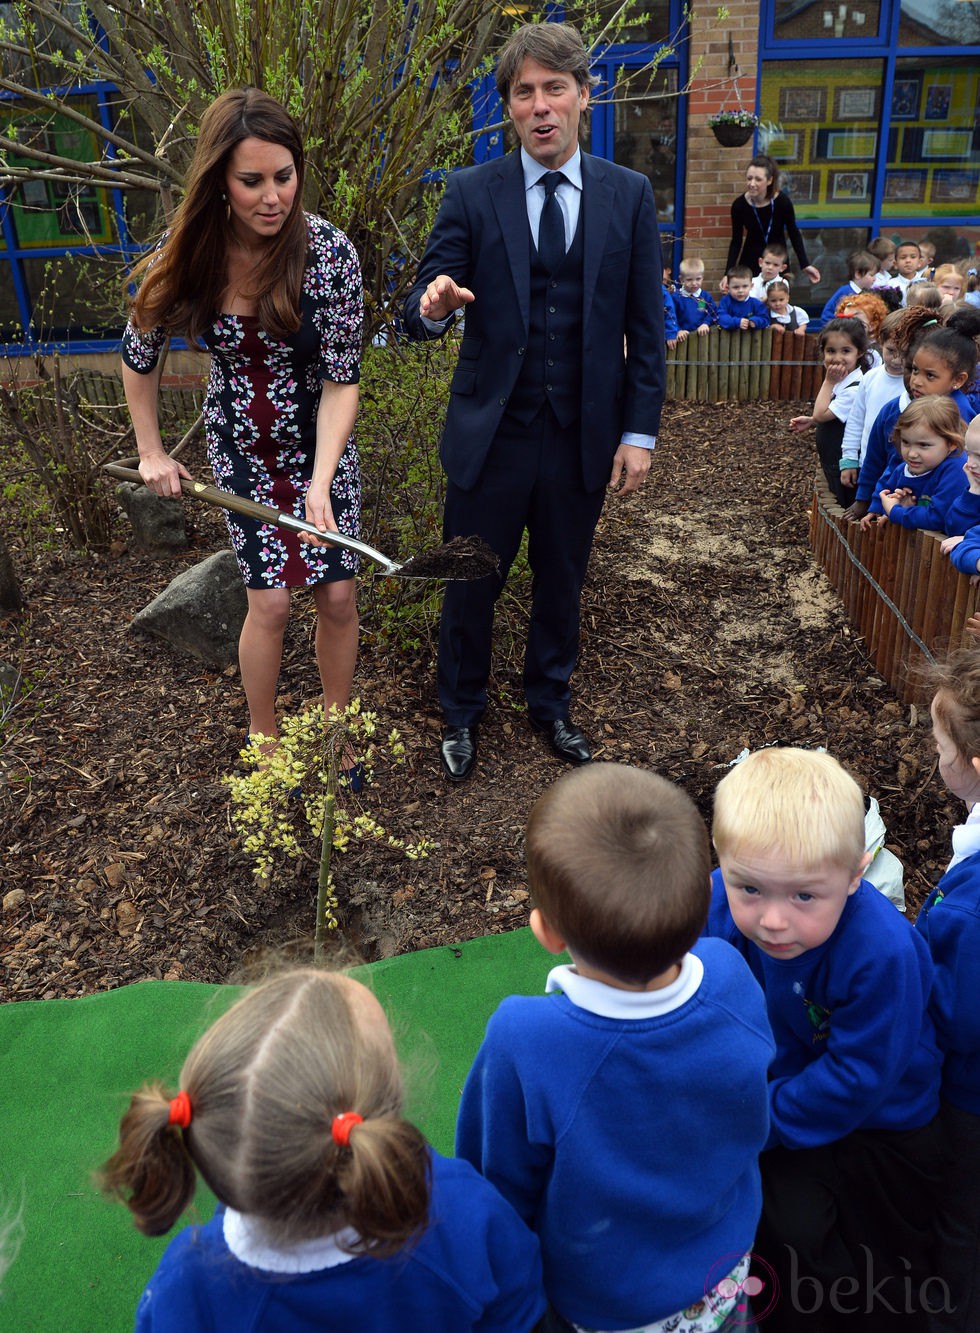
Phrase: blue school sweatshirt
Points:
(731, 313)
(855, 1045)
(629, 1145)
(949, 922)
(935, 492)
(693, 311)
(475, 1267)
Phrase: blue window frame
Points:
(873, 128)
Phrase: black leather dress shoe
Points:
(458, 752)
(566, 739)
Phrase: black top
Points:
(753, 228)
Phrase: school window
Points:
(870, 109)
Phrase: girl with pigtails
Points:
(334, 1213)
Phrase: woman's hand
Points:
(812, 273)
(162, 474)
(319, 511)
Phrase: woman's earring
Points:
(224, 198)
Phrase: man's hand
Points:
(442, 297)
(630, 466)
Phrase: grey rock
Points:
(201, 612)
(158, 524)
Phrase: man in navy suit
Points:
(559, 384)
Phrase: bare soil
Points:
(707, 628)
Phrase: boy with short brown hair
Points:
(622, 1114)
(737, 309)
(771, 266)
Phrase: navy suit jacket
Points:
(481, 239)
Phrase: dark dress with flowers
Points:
(260, 414)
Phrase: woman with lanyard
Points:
(761, 217)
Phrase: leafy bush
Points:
(404, 391)
(65, 440)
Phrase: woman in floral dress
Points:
(275, 296)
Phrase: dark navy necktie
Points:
(551, 229)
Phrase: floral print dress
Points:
(260, 414)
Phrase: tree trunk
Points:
(10, 595)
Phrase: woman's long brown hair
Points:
(184, 278)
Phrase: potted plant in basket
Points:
(733, 128)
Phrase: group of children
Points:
(749, 300)
(899, 275)
(758, 1084)
(894, 419)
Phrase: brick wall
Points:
(715, 175)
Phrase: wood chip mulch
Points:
(707, 628)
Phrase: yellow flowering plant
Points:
(297, 782)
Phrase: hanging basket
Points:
(730, 135)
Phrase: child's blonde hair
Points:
(945, 271)
(881, 247)
(939, 413)
(923, 293)
(801, 804)
(689, 268)
(956, 700)
(264, 1084)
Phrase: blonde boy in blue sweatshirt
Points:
(853, 1157)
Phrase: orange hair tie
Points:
(342, 1126)
(180, 1111)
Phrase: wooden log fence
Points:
(727, 365)
(907, 600)
(722, 366)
